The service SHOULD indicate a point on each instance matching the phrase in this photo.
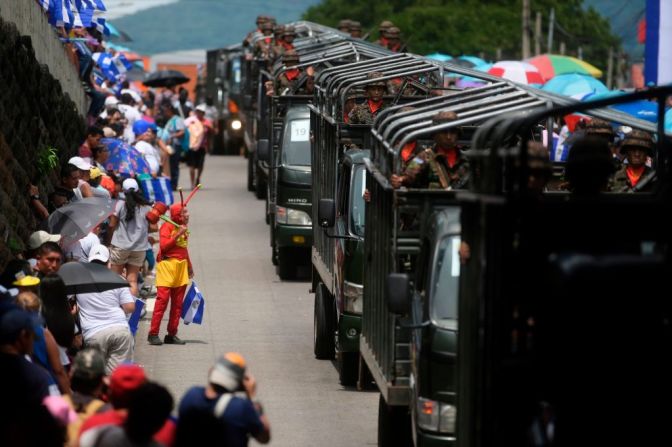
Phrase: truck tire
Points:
(394, 425)
(348, 368)
(323, 329)
(250, 174)
(286, 264)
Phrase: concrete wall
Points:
(31, 20)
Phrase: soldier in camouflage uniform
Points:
(393, 36)
(287, 81)
(344, 26)
(441, 167)
(602, 129)
(355, 29)
(382, 30)
(263, 47)
(260, 21)
(278, 49)
(366, 113)
(635, 175)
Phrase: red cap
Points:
(126, 378)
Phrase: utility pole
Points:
(526, 29)
(537, 34)
(610, 68)
(580, 53)
(551, 25)
(563, 48)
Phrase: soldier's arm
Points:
(415, 168)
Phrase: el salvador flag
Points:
(193, 305)
(658, 52)
(134, 319)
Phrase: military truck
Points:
(564, 314)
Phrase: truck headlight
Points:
(435, 416)
(353, 294)
(236, 125)
(289, 216)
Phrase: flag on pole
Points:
(658, 52)
(134, 319)
(193, 305)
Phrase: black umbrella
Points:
(85, 277)
(76, 219)
(165, 78)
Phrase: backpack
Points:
(89, 410)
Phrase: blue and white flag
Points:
(193, 305)
(658, 52)
(134, 319)
(158, 190)
(101, 26)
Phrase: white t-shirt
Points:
(101, 310)
(151, 154)
(131, 234)
(132, 115)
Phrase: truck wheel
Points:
(286, 264)
(348, 368)
(323, 328)
(250, 174)
(394, 425)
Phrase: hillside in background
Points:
(191, 24)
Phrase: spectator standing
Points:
(49, 258)
(59, 315)
(198, 141)
(87, 379)
(174, 131)
(83, 189)
(93, 136)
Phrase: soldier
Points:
(278, 49)
(365, 113)
(382, 30)
(442, 166)
(350, 103)
(344, 25)
(263, 47)
(355, 29)
(287, 81)
(393, 36)
(635, 175)
(260, 21)
(410, 149)
(602, 129)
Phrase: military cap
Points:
(385, 24)
(444, 117)
(289, 31)
(637, 139)
(375, 75)
(345, 23)
(599, 127)
(271, 19)
(393, 32)
(355, 26)
(290, 56)
(261, 19)
(267, 26)
(278, 30)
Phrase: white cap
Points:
(111, 101)
(135, 95)
(130, 184)
(40, 237)
(201, 108)
(99, 253)
(81, 164)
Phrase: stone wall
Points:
(35, 113)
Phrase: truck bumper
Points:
(426, 439)
(294, 236)
(349, 328)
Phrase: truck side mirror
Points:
(263, 153)
(326, 213)
(398, 293)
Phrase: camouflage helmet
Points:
(267, 26)
(290, 56)
(393, 32)
(637, 139)
(345, 23)
(443, 117)
(261, 19)
(278, 30)
(375, 75)
(355, 26)
(272, 20)
(385, 25)
(599, 127)
(289, 31)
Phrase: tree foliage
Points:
(477, 27)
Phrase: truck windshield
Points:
(296, 143)
(357, 200)
(445, 282)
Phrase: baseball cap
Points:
(141, 126)
(12, 321)
(126, 378)
(111, 101)
(201, 108)
(88, 364)
(81, 164)
(135, 95)
(99, 252)
(40, 237)
(229, 371)
(130, 184)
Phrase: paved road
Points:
(251, 311)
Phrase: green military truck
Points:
(564, 309)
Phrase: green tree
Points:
(476, 27)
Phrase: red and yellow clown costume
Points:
(172, 273)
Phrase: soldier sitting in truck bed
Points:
(635, 175)
(288, 82)
(442, 166)
(366, 112)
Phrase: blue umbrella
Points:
(439, 57)
(471, 81)
(124, 158)
(475, 61)
(644, 110)
(574, 84)
(668, 122)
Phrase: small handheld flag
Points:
(134, 320)
(193, 305)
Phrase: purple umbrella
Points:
(124, 158)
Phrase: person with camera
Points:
(226, 411)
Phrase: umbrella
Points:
(85, 277)
(165, 78)
(76, 219)
(124, 158)
(574, 84)
(552, 65)
(520, 72)
(439, 57)
(668, 122)
(473, 61)
(645, 110)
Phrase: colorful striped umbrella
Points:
(552, 65)
(516, 71)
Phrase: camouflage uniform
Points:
(361, 113)
(263, 48)
(430, 169)
(286, 82)
(393, 35)
(621, 182)
(382, 29)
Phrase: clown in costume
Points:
(173, 272)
